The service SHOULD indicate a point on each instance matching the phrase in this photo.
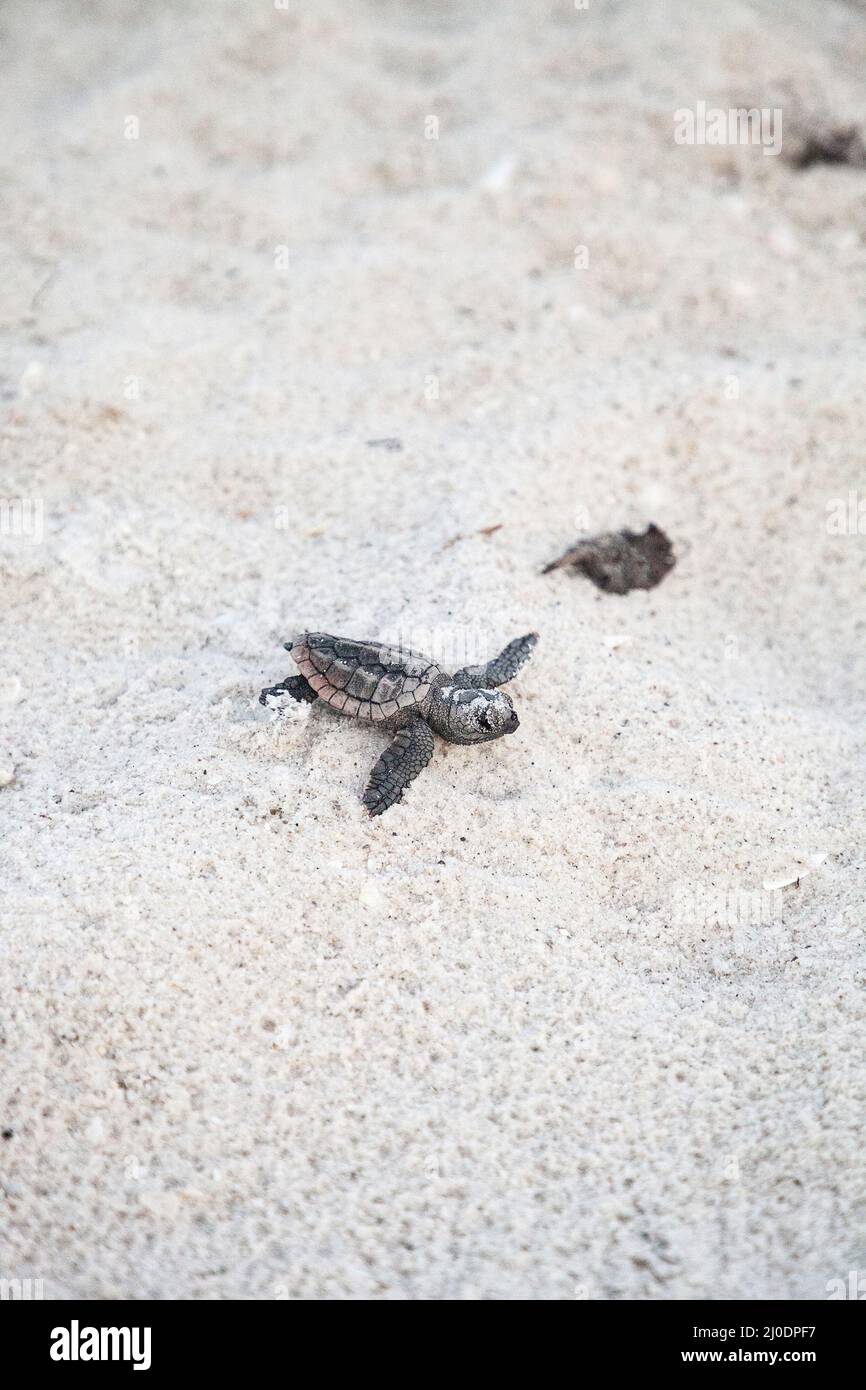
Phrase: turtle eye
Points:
(485, 720)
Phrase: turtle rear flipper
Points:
(297, 686)
(408, 754)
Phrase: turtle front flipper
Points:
(410, 751)
(297, 686)
(502, 668)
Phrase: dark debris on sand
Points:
(392, 445)
(821, 143)
(620, 560)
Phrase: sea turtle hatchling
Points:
(406, 693)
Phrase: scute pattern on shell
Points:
(367, 680)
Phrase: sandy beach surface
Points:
(583, 1017)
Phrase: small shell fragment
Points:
(795, 873)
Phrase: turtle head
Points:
(472, 716)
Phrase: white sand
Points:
(255, 1044)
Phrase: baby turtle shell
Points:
(368, 680)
